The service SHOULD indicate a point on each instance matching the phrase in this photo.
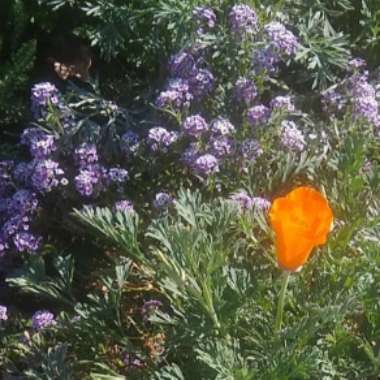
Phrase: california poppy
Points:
(301, 221)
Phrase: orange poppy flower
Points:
(301, 220)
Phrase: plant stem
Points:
(281, 301)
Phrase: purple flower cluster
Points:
(282, 103)
(86, 154)
(131, 361)
(123, 206)
(16, 210)
(205, 17)
(246, 202)
(243, 200)
(130, 143)
(22, 202)
(93, 178)
(265, 59)
(47, 175)
(221, 146)
(162, 200)
(43, 94)
(363, 97)
(245, 91)
(177, 95)
(258, 115)
(291, 137)
(333, 101)
(202, 83)
(188, 82)
(42, 319)
(182, 65)
(3, 246)
(222, 127)
(6, 168)
(282, 39)
(26, 242)
(206, 165)
(250, 150)
(90, 180)
(190, 154)
(149, 308)
(243, 20)
(261, 204)
(195, 126)
(159, 139)
(3, 313)
(355, 91)
(356, 63)
(41, 145)
(117, 175)
(22, 172)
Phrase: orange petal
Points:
(301, 220)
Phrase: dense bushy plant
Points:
(180, 279)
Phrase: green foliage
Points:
(17, 61)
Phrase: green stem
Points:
(281, 301)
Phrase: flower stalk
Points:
(281, 301)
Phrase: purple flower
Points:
(243, 200)
(281, 38)
(359, 87)
(5, 176)
(14, 225)
(182, 65)
(131, 361)
(245, 91)
(221, 146)
(149, 308)
(194, 126)
(42, 319)
(43, 94)
(3, 313)
(176, 95)
(261, 204)
(283, 103)
(333, 101)
(259, 114)
(190, 155)
(202, 83)
(265, 59)
(117, 175)
(222, 127)
(40, 144)
(243, 19)
(162, 200)
(356, 63)
(206, 165)
(46, 176)
(90, 179)
(205, 16)
(291, 136)
(22, 172)
(159, 139)
(250, 150)
(23, 202)
(130, 143)
(3, 246)
(86, 154)
(26, 242)
(366, 107)
(123, 206)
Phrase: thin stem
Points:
(281, 301)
